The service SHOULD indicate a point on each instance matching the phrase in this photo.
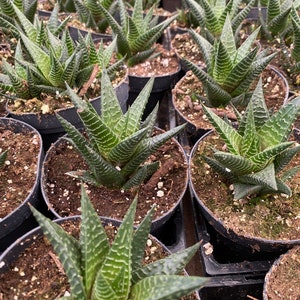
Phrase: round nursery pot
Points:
(165, 188)
(19, 177)
(32, 258)
(188, 108)
(268, 225)
(283, 279)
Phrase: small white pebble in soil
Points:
(160, 193)
(149, 243)
(7, 162)
(160, 184)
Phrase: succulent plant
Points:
(44, 66)
(259, 149)
(137, 31)
(90, 13)
(98, 270)
(14, 20)
(210, 15)
(277, 21)
(118, 144)
(230, 70)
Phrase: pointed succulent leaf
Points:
(283, 159)
(296, 38)
(117, 264)
(218, 167)
(29, 28)
(238, 72)
(242, 14)
(278, 126)
(256, 69)
(262, 158)
(243, 50)
(237, 164)
(102, 170)
(166, 287)
(211, 20)
(140, 57)
(3, 156)
(227, 39)
(41, 58)
(149, 122)
(151, 36)
(242, 190)
(93, 242)
(68, 251)
(230, 136)
(111, 111)
(141, 175)
(139, 240)
(279, 22)
(147, 147)
(205, 47)
(171, 265)
(216, 95)
(102, 136)
(222, 65)
(130, 123)
(197, 11)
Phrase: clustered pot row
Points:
(243, 172)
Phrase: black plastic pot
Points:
(14, 224)
(49, 126)
(157, 224)
(280, 262)
(11, 254)
(252, 244)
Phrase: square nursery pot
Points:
(18, 220)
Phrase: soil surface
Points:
(283, 280)
(164, 188)
(165, 63)
(18, 175)
(273, 217)
(38, 273)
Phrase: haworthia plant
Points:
(118, 144)
(210, 15)
(230, 70)
(259, 149)
(137, 32)
(13, 20)
(277, 21)
(44, 63)
(98, 270)
(90, 13)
